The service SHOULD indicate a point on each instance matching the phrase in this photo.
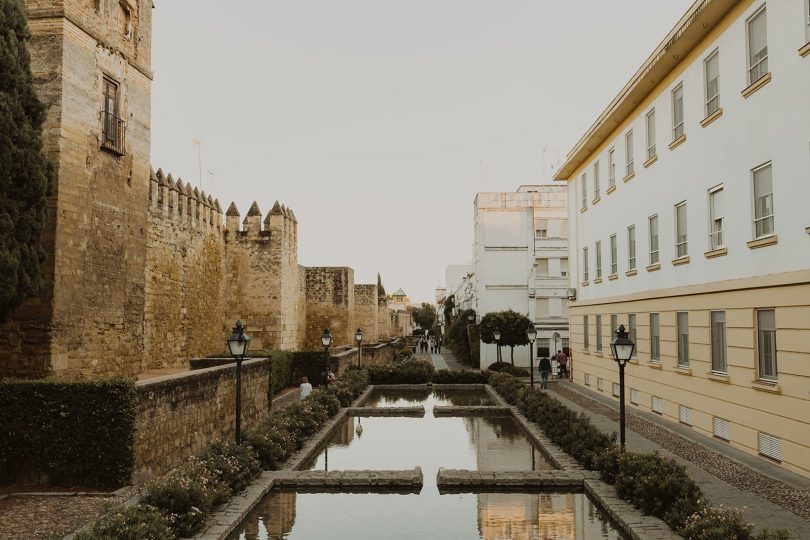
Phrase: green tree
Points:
(424, 316)
(458, 338)
(380, 288)
(449, 306)
(26, 175)
(512, 326)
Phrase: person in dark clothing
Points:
(545, 369)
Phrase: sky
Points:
(377, 121)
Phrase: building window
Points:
(584, 191)
(600, 384)
(614, 265)
(711, 75)
(585, 275)
(598, 332)
(541, 229)
(770, 446)
(586, 340)
(716, 218)
(616, 390)
(634, 396)
(657, 405)
(628, 152)
(651, 134)
(614, 324)
(655, 338)
(757, 46)
(541, 267)
(766, 344)
(685, 415)
(677, 112)
(596, 180)
(763, 200)
(719, 361)
(612, 166)
(653, 239)
(587, 379)
(631, 321)
(683, 339)
(125, 19)
(721, 428)
(631, 247)
(112, 125)
(681, 248)
(598, 260)
(564, 267)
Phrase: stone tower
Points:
(92, 65)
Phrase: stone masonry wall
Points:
(365, 311)
(179, 415)
(383, 322)
(329, 304)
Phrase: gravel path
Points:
(49, 517)
(734, 473)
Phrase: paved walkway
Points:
(748, 476)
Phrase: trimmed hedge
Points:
(309, 364)
(411, 371)
(467, 376)
(505, 367)
(281, 371)
(654, 484)
(76, 432)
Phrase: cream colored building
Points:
(688, 205)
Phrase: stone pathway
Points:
(438, 361)
(765, 501)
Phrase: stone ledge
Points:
(416, 412)
(632, 522)
(471, 410)
(450, 479)
(367, 480)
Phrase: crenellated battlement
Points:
(177, 203)
(279, 221)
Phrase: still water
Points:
(390, 443)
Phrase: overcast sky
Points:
(371, 118)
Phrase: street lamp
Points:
(358, 337)
(497, 335)
(326, 340)
(238, 344)
(622, 348)
(531, 334)
(471, 316)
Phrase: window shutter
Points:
(722, 429)
(657, 404)
(616, 390)
(770, 446)
(634, 396)
(685, 414)
(600, 384)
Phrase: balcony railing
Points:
(113, 133)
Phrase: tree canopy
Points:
(26, 175)
(512, 326)
(424, 315)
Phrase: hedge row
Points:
(419, 371)
(179, 504)
(75, 432)
(654, 484)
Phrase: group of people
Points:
(545, 368)
(432, 344)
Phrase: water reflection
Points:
(409, 398)
(487, 516)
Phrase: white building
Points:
(520, 262)
(459, 284)
(690, 219)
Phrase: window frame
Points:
(807, 20)
(614, 255)
(654, 254)
(750, 67)
(681, 246)
(596, 180)
(655, 337)
(629, 166)
(598, 252)
(585, 269)
(754, 200)
(586, 339)
(762, 376)
(707, 99)
(632, 323)
(599, 333)
(678, 129)
(612, 166)
(631, 247)
(719, 351)
(716, 237)
(584, 179)
(649, 122)
(682, 329)
(614, 324)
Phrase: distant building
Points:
(688, 202)
(399, 301)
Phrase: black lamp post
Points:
(622, 348)
(358, 337)
(531, 334)
(326, 340)
(497, 335)
(238, 343)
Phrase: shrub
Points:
(309, 364)
(722, 523)
(329, 399)
(54, 426)
(137, 522)
(413, 371)
(183, 502)
(281, 371)
(507, 386)
(231, 464)
(447, 376)
(503, 367)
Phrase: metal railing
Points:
(113, 133)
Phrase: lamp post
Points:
(471, 317)
(326, 340)
(556, 336)
(531, 334)
(238, 344)
(358, 337)
(622, 348)
(497, 335)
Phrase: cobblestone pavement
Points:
(49, 517)
(766, 501)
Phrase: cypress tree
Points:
(380, 288)
(26, 175)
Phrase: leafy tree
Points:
(26, 175)
(449, 306)
(512, 326)
(457, 337)
(424, 316)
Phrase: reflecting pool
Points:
(427, 398)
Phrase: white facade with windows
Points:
(710, 239)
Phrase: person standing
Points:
(545, 369)
(562, 360)
(439, 345)
(305, 388)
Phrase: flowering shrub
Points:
(182, 501)
(138, 522)
(232, 465)
(722, 523)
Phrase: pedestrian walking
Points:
(562, 360)
(545, 369)
(439, 345)
(305, 388)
